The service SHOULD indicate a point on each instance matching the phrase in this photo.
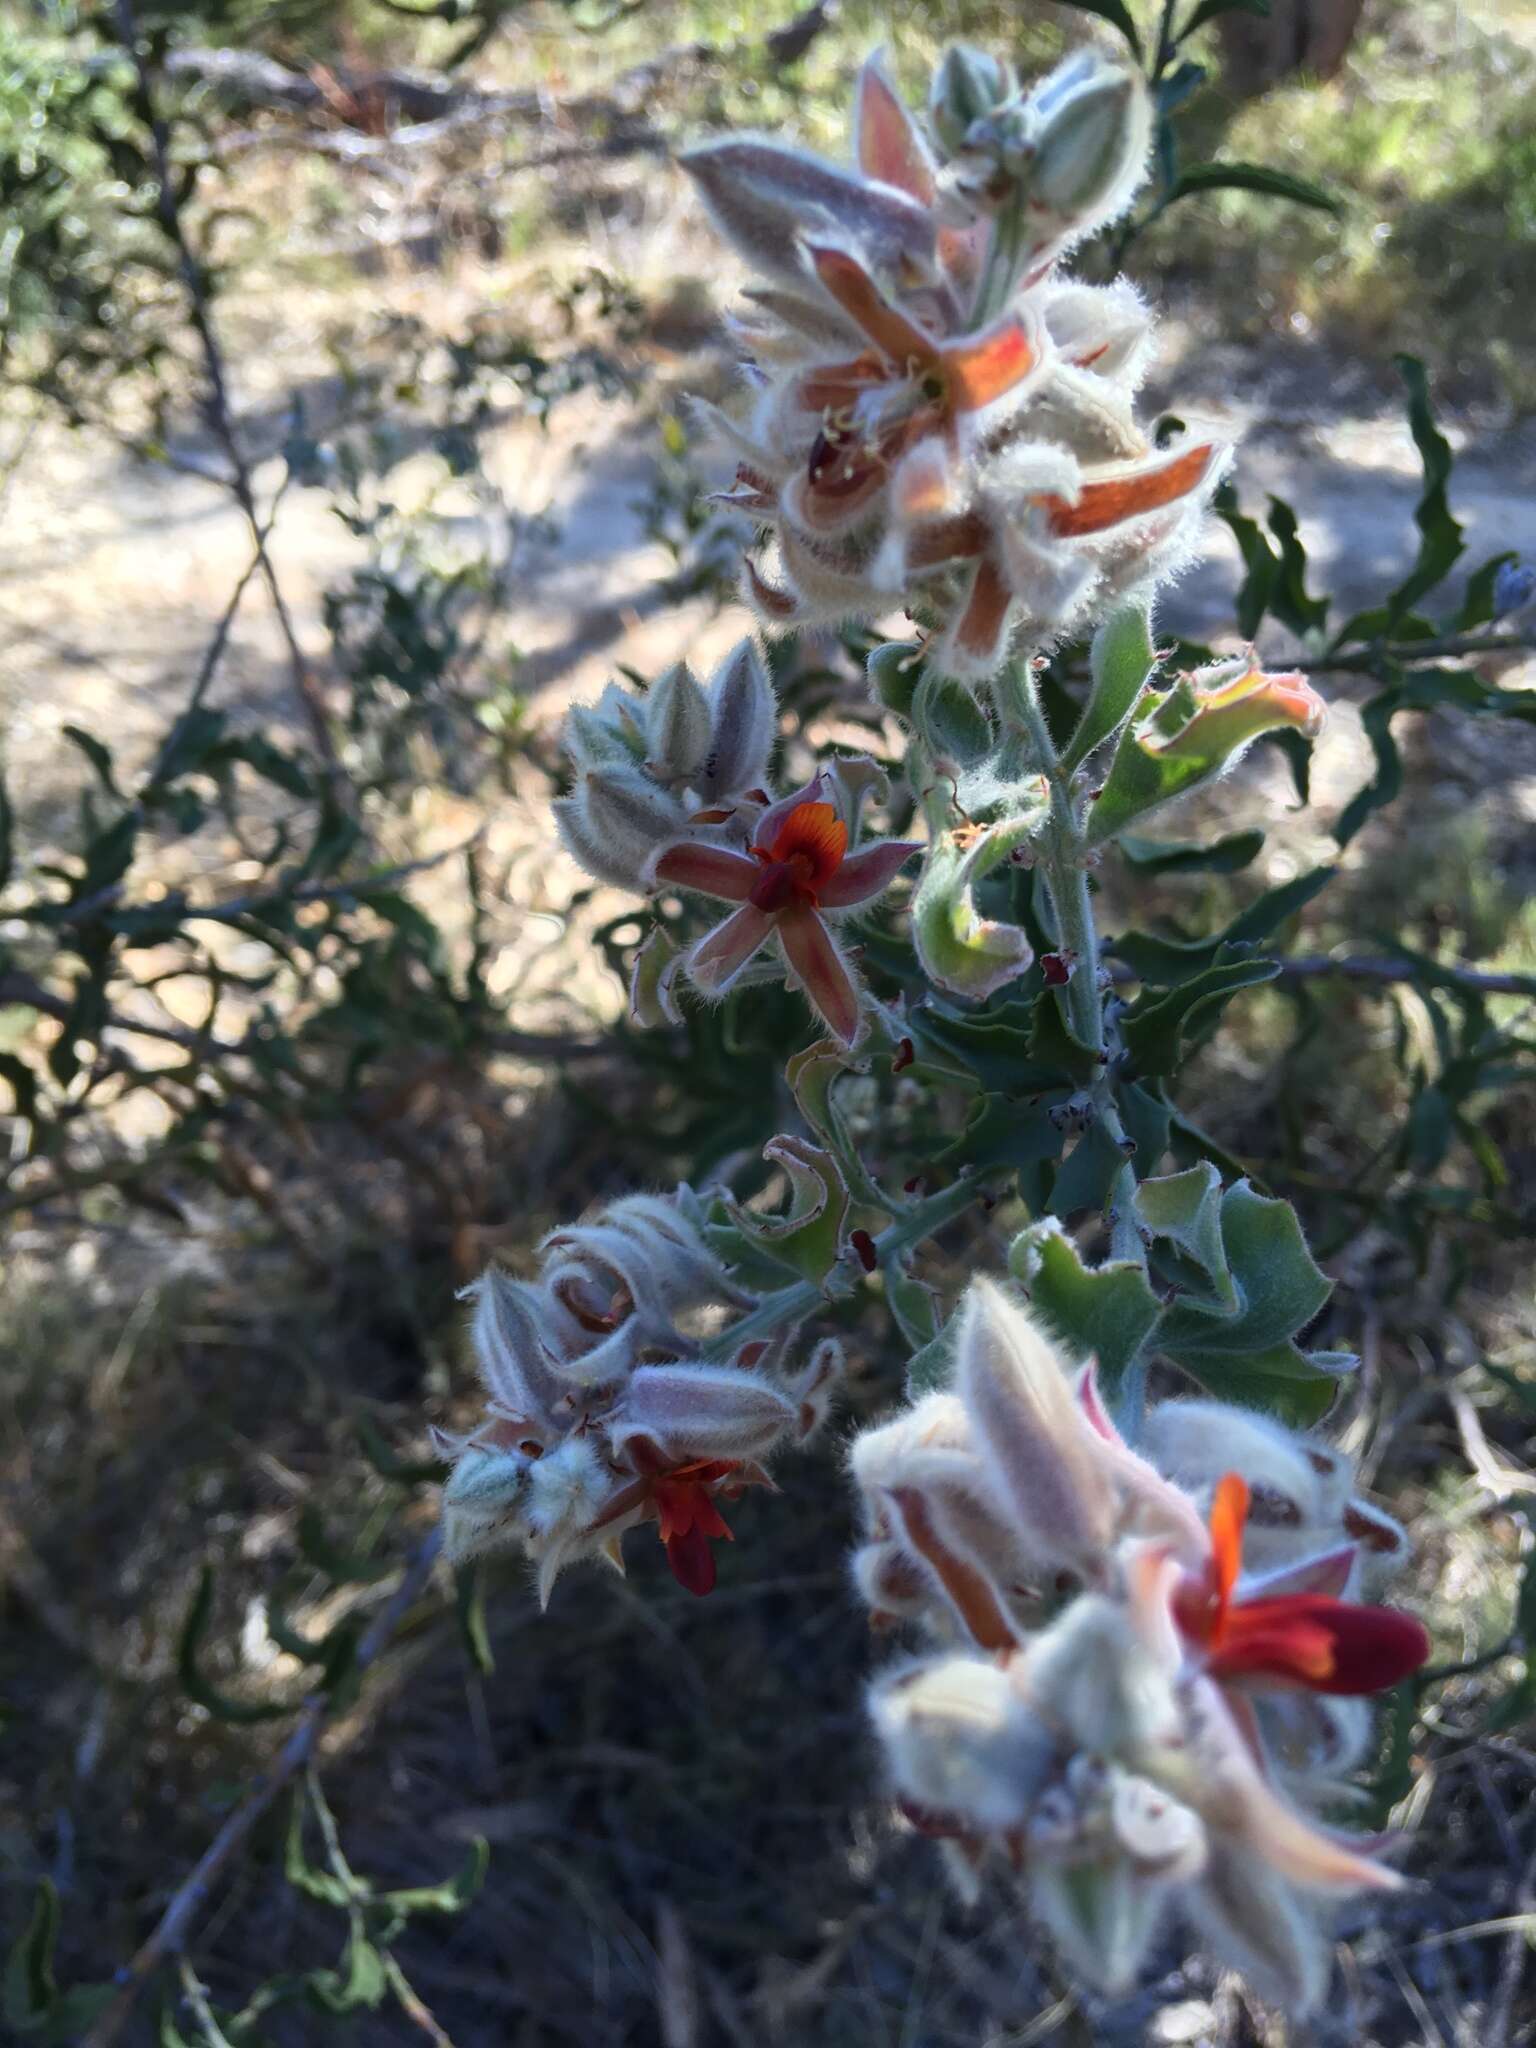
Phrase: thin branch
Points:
(220, 413)
(192, 1896)
(1454, 647)
(1323, 966)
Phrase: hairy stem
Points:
(1063, 851)
(801, 1298)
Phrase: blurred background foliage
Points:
(336, 339)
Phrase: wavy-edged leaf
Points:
(1159, 1033)
(1441, 540)
(200, 1688)
(1244, 177)
(1225, 856)
(1104, 1312)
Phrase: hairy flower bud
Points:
(968, 85)
(1094, 131)
(614, 821)
(960, 1742)
(742, 718)
(676, 726)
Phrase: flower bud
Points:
(968, 85)
(482, 1498)
(602, 735)
(961, 1743)
(677, 726)
(1095, 129)
(615, 820)
(743, 722)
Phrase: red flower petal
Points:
(712, 870)
(692, 1561)
(721, 954)
(865, 874)
(1118, 498)
(812, 952)
(1325, 1645)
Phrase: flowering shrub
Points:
(1129, 1705)
(1129, 1603)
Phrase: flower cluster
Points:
(646, 770)
(1147, 1664)
(939, 418)
(669, 794)
(601, 1414)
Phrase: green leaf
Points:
(99, 754)
(30, 1989)
(1440, 534)
(346, 1568)
(913, 1304)
(323, 1885)
(108, 858)
(1105, 1312)
(193, 1683)
(1172, 857)
(1120, 662)
(993, 1044)
(932, 1369)
(361, 1982)
(1208, 10)
(1159, 1031)
(1261, 565)
(1426, 689)
(453, 1896)
(1284, 1380)
(1054, 1045)
(390, 1465)
(959, 950)
(187, 746)
(1117, 14)
(1477, 602)
(1166, 962)
(1278, 1286)
(1184, 1210)
(1003, 1132)
(1243, 177)
(1290, 600)
(808, 1235)
(469, 1610)
(1087, 1174)
(949, 721)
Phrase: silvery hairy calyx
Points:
(1140, 1636)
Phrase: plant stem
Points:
(170, 1932)
(801, 1298)
(220, 413)
(1063, 851)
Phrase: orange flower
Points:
(1308, 1640)
(680, 1499)
(797, 867)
